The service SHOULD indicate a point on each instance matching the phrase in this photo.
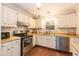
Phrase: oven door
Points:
(27, 45)
(27, 42)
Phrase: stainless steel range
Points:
(26, 42)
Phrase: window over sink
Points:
(50, 25)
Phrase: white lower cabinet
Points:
(75, 52)
(15, 48)
(34, 40)
(71, 42)
(51, 40)
(6, 50)
(11, 48)
(47, 41)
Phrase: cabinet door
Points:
(31, 23)
(6, 50)
(77, 22)
(38, 39)
(11, 17)
(39, 23)
(41, 40)
(4, 16)
(11, 48)
(15, 48)
(26, 19)
(75, 52)
(51, 41)
(18, 16)
(71, 41)
(47, 41)
(68, 20)
(34, 40)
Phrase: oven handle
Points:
(27, 38)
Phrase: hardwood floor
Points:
(42, 51)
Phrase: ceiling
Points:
(46, 8)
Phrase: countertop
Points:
(12, 38)
(51, 34)
(56, 34)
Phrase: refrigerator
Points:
(62, 43)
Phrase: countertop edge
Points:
(12, 38)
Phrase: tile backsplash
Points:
(71, 31)
(11, 29)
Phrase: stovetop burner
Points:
(23, 35)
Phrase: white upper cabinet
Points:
(25, 19)
(8, 17)
(31, 23)
(38, 23)
(68, 20)
(11, 17)
(4, 16)
(77, 13)
(22, 18)
(19, 16)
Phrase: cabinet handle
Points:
(76, 54)
(2, 46)
(48, 39)
(8, 49)
(12, 47)
(16, 41)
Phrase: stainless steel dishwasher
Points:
(62, 43)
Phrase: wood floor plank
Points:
(42, 51)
